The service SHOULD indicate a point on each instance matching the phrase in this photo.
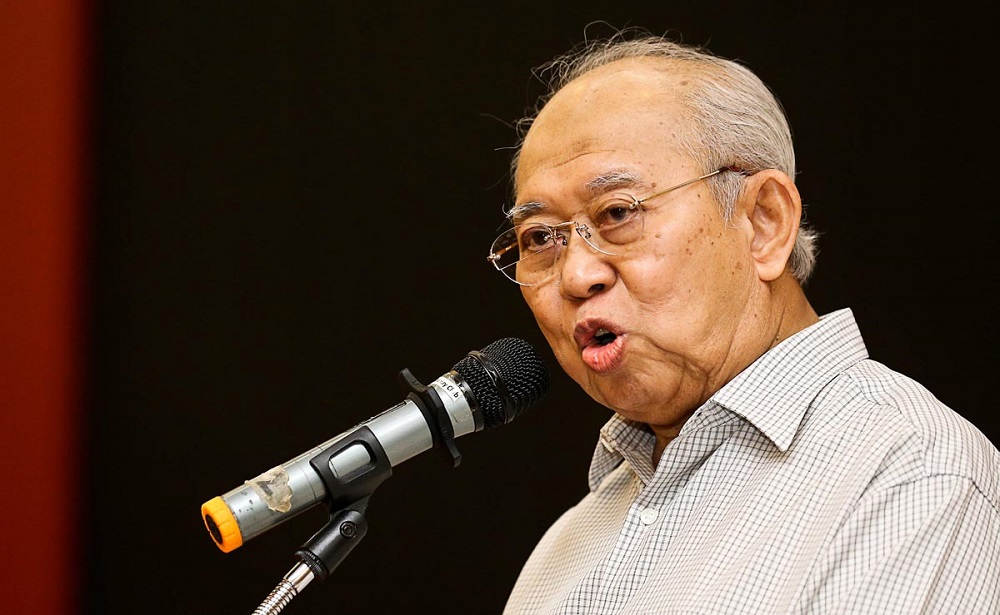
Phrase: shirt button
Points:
(648, 516)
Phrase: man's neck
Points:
(789, 312)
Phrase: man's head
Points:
(733, 118)
(652, 324)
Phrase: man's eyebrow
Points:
(519, 213)
(612, 180)
(602, 184)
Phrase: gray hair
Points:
(736, 121)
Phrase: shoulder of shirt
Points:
(945, 442)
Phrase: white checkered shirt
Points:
(816, 481)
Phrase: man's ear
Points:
(773, 206)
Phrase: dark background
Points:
(293, 202)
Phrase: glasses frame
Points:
(583, 230)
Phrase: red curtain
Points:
(44, 122)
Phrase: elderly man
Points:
(758, 461)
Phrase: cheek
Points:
(702, 261)
(677, 259)
(686, 237)
(546, 306)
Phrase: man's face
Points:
(675, 305)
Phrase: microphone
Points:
(487, 388)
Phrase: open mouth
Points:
(603, 337)
(601, 348)
(596, 334)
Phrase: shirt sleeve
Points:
(924, 547)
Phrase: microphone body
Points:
(485, 389)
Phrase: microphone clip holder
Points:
(347, 487)
(319, 556)
(328, 547)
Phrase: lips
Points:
(602, 344)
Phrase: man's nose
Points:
(583, 269)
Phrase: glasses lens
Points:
(527, 253)
(524, 253)
(617, 221)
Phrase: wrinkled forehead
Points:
(628, 106)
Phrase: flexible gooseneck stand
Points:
(327, 548)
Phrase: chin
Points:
(634, 397)
(619, 393)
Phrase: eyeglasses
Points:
(527, 253)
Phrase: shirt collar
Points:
(775, 391)
(772, 394)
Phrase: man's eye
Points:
(616, 212)
(535, 238)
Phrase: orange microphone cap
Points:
(221, 524)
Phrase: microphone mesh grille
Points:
(521, 370)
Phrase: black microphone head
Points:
(506, 377)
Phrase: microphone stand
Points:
(319, 556)
(327, 548)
